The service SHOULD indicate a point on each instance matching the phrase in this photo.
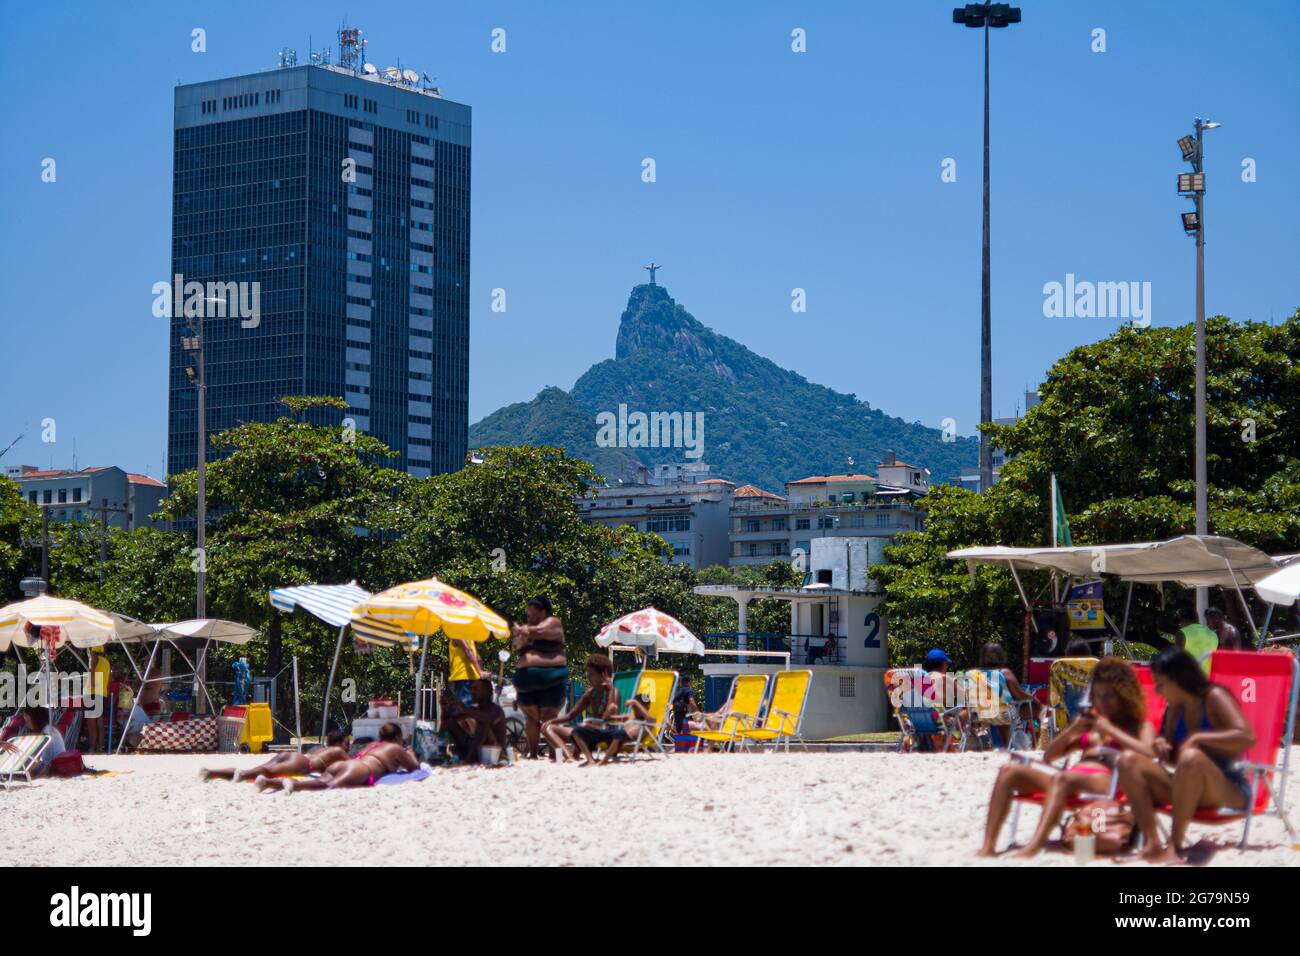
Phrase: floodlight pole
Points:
(1202, 510)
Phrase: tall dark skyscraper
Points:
(344, 196)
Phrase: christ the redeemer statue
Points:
(652, 268)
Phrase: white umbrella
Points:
(651, 627)
(1281, 587)
(207, 629)
(77, 624)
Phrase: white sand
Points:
(751, 809)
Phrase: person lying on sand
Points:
(482, 723)
(288, 764)
(386, 755)
(597, 703)
(1116, 720)
(1203, 736)
(621, 729)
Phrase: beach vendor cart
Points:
(174, 725)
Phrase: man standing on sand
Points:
(1195, 638)
(1229, 636)
(464, 668)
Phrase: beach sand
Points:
(759, 809)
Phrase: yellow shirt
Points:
(100, 676)
(462, 668)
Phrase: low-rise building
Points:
(766, 527)
(124, 499)
(685, 506)
(970, 477)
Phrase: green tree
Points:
(1116, 426)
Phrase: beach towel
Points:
(403, 776)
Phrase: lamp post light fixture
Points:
(1192, 185)
(989, 16)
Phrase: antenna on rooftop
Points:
(288, 57)
(352, 49)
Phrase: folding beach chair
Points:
(746, 702)
(1266, 686)
(989, 703)
(1067, 683)
(661, 686)
(28, 749)
(784, 717)
(921, 725)
(1155, 703)
(625, 683)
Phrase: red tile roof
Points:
(144, 480)
(752, 491)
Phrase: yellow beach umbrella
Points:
(419, 609)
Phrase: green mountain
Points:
(762, 424)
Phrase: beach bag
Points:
(429, 745)
(67, 764)
(1109, 820)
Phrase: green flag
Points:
(1060, 521)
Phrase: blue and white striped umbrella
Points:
(332, 603)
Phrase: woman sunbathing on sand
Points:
(289, 764)
(1116, 720)
(385, 755)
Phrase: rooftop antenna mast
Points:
(352, 49)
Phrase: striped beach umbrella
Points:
(651, 627)
(331, 603)
(58, 621)
(420, 609)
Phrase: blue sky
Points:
(775, 170)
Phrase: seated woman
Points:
(1203, 735)
(386, 755)
(1003, 680)
(289, 764)
(1116, 719)
(592, 710)
(39, 721)
(624, 728)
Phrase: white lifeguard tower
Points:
(837, 601)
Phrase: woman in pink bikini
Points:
(385, 755)
(1116, 720)
(288, 764)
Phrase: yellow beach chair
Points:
(785, 710)
(745, 704)
(661, 686)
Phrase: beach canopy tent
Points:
(1189, 560)
(193, 636)
(331, 603)
(650, 629)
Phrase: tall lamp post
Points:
(1192, 185)
(989, 16)
(194, 344)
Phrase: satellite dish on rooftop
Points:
(411, 76)
(369, 68)
(391, 73)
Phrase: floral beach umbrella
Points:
(651, 627)
(59, 622)
(419, 609)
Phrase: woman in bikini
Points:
(543, 670)
(1115, 720)
(289, 764)
(386, 755)
(589, 714)
(1203, 735)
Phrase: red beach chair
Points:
(1266, 687)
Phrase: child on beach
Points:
(592, 711)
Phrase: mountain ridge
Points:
(763, 424)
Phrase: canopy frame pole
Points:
(1245, 608)
(135, 702)
(1024, 599)
(419, 683)
(1268, 620)
(1128, 599)
(329, 685)
(194, 670)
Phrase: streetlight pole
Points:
(989, 16)
(1194, 185)
(200, 603)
